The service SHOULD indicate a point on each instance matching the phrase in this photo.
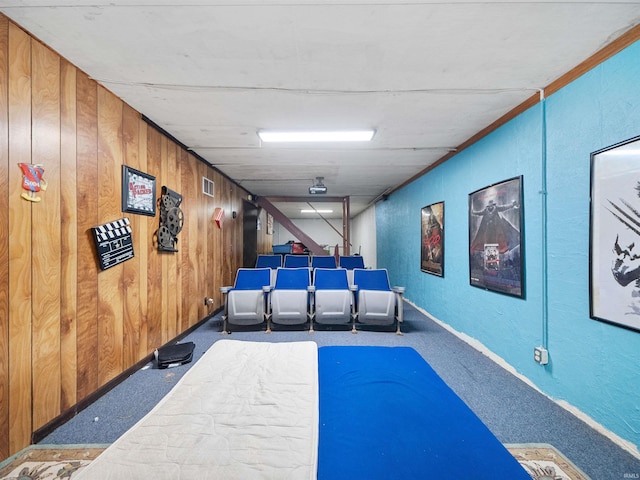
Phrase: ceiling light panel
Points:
(268, 136)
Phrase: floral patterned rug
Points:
(48, 462)
(544, 462)
(55, 462)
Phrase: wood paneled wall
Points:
(66, 327)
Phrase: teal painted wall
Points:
(593, 366)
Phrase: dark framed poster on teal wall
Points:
(495, 238)
(432, 236)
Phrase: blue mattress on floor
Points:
(385, 414)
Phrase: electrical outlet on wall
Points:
(541, 355)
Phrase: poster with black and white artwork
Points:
(615, 235)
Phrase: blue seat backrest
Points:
(252, 278)
(330, 279)
(351, 262)
(377, 279)
(323, 261)
(293, 261)
(271, 261)
(293, 279)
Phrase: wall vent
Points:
(207, 186)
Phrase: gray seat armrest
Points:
(400, 315)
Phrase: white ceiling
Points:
(426, 75)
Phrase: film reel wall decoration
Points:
(171, 220)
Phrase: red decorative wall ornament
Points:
(218, 216)
(32, 181)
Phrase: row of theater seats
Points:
(314, 261)
(299, 295)
(348, 262)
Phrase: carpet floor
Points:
(513, 411)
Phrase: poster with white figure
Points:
(615, 235)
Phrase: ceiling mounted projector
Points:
(318, 188)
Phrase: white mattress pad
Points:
(245, 410)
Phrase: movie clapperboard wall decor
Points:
(171, 220)
(113, 242)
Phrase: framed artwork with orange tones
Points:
(432, 237)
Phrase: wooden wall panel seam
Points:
(4, 238)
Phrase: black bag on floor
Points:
(174, 355)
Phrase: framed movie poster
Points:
(614, 257)
(138, 192)
(432, 236)
(495, 238)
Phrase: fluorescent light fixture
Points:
(315, 211)
(317, 136)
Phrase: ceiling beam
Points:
(308, 198)
(286, 222)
